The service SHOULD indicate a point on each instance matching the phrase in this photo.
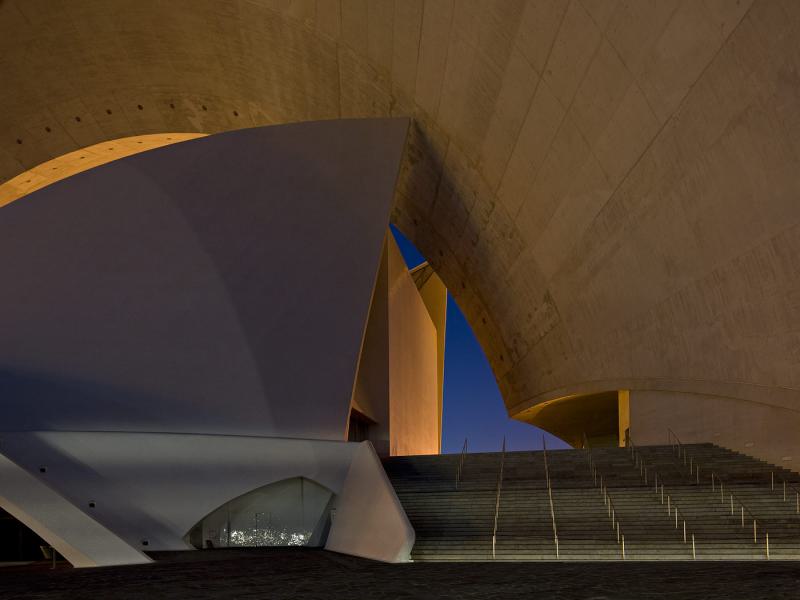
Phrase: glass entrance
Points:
(292, 512)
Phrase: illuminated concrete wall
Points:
(607, 188)
(84, 159)
(434, 295)
(593, 418)
(413, 365)
(399, 380)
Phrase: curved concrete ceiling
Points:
(608, 188)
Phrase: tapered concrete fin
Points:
(75, 535)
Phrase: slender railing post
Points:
(716, 479)
(644, 469)
(550, 496)
(497, 498)
(786, 488)
(607, 502)
(460, 469)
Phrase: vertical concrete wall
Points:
(371, 393)
(434, 295)
(398, 384)
(413, 366)
(624, 415)
(768, 432)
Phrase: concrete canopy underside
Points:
(607, 188)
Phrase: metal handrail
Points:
(694, 466)
(731, 496)
(460, 469)
(497, 499)
(550, 495)
(612, 511)
(679, 515)
(673, 434)
(771, 474)
(785, 483)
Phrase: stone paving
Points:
(315, 574)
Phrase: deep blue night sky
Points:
(473, 407)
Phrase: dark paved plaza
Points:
(299, 573)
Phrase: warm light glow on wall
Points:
(86, 158)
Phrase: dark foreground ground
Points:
(275, 574)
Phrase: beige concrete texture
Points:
(608, 188)
(75, 162)
(399, 380)
(414, 424)
(434, 295)
(624, 417)
(768, 432)
(592, 418)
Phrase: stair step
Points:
(456, 523)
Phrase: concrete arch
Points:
(318, 534)
(607, 188)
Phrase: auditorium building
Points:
(210, 337)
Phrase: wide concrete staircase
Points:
(749, 494)
(648, 503)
